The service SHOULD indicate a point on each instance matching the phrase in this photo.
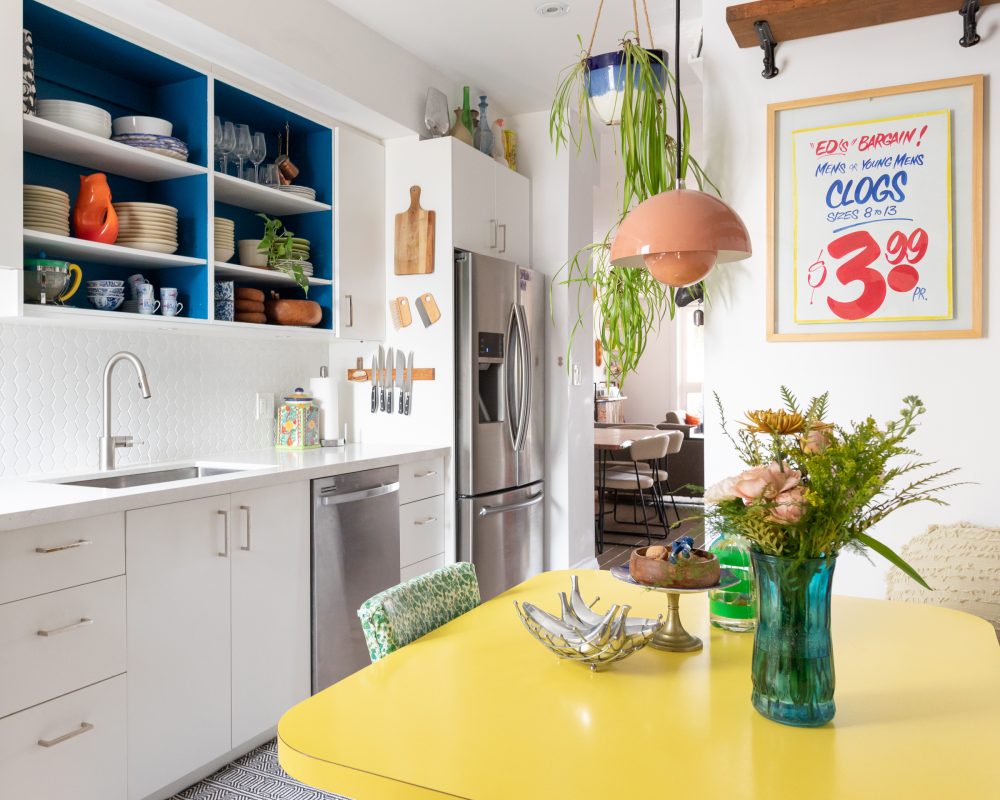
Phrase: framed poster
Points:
(875, 214)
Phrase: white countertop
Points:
(36, 500)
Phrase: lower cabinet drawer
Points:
(421, 530)
(58, 642)
(421, 479)
(421, 567)
(50, 557)
(71, 747)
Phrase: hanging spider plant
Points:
(630, 303)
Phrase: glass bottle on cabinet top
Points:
(458, 129)
(467, 111)
(735, 608)
(483, 140)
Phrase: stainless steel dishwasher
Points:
(355, 554)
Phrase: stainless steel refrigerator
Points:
(500, 419)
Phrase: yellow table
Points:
(478, 709)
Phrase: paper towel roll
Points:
(325, 395)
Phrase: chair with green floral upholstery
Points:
(402, 613)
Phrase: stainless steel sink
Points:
(128, 480)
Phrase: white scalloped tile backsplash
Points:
(203, 387)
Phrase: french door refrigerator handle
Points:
(486, 511)
(510, 376)
(524, 377)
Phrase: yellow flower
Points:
(777, 423)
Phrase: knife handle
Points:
(381, 399)
(374, 397)
(389, 402)
(406, 404)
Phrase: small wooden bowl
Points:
(305, 313)
(698, 572)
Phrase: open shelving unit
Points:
(108, 71)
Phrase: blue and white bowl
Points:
(105, 303)
(225, 290)
(105, 284)
(109, 292)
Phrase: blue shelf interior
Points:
(75, 61)
(311, 151)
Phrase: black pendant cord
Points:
(677, 81)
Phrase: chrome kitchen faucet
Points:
(109, 442)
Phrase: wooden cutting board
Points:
(415, 238)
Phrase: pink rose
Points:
(721, 491)
(765, 482)
(788, 506)
(817, 440)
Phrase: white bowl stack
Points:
(225, 239)
(82, 116)
(147, 226)
(46, 210)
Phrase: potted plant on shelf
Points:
(277, 245)
(811, 490)
(634, 87)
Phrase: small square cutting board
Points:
(415, 238)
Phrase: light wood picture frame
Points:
(833, 167)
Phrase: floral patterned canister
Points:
(298, 423)
(28, 75)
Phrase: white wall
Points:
(561, 222)
(956, 379)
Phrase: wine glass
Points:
(257, 154)
(218, 138)
(227, 144)
(244, 144)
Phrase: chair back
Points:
(675, 441)
(652, 448)
(394, 618)
(960, 562)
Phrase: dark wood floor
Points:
(621, 538)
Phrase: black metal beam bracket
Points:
(968, 11)
(768, 45)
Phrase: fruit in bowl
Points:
(680, 566)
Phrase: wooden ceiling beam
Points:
(800, 19)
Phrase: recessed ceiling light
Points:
(554, 9)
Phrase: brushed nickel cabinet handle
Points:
(503, 227)
(350, 310)
(427, 521)
(59, 548)
(72, 626)
(225, 533)
(246, 511)
(427, 474)
(493, 234)
(84, 727)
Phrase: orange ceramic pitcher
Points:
(94, 217)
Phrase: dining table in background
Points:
(478, 709)
(608, 443)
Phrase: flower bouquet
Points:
(810, 490)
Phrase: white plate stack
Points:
(46, 210)
(301, 191)
(82, 116)
(147, 226)
(225, 239)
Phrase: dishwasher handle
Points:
(362, 494)
(486, 511)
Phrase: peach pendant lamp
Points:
(681, 234)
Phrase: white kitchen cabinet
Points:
(72, 747)
(178, 572)
(490, 206)
(512, 206)
(360, 236)
(270, 605)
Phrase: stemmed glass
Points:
(218, 139)
(257, 154)
(244, 145)
(227, 144)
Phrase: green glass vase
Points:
(793, 678)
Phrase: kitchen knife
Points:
(374, 377)
(408, 386)
(400, 379)
(390, 379)
(381, 378)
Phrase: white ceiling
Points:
(510, 51)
